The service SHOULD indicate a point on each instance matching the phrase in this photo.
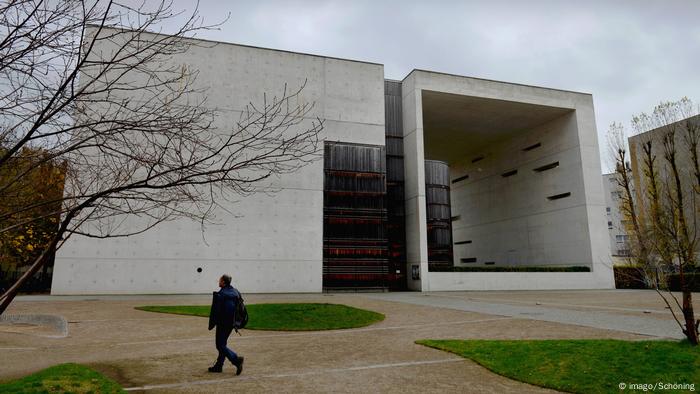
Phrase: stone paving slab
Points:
(595, 318)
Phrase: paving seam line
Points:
(295, 334)
(328, 332)
(544, 304)
(293, 375)
(134, 319)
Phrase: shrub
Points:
(629, 277)
(691, 278)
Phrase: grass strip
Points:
(586, 366)
(287, 317)
(63, 378)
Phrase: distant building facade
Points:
(616, 222)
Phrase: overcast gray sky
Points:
(629, 54)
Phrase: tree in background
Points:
(87, 84)
(29, 230)
(662, 214)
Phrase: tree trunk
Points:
(10, 294)
(691, 329)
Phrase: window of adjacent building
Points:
(609, 224)
(607, 209)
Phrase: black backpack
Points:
(240, 317)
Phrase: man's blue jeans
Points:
(222, 334)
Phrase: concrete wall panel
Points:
(456, 281)
(269, 241)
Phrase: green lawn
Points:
(288, 317)
(63, 378)
(584, 366)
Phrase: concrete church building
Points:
(419, 176)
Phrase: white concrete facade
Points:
(273, 243)
(268, 243)
(511, 221)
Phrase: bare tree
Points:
(92, 87)
(663, 211)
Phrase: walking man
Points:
(223, 308)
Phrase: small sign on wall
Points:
(415, 272)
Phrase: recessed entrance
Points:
(507, 189)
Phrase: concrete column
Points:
(414, 171)
(601, 255)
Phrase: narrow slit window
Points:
(463, 242)
(490, 263)
(477, 159)
(559, 196)
(547, 167)
(453, 218)
(509, 173)
(463, 177)
(468, 260)
(533, 146)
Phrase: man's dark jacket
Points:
(223, 307)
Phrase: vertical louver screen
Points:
(355, 252)
(437, 197)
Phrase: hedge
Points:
(512, 269)
(692, 279)
(629, 277)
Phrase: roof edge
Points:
(493, 80)
(246, 46)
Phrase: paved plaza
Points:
(150, 352)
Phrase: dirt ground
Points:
(153, 352)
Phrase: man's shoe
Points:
(216, 368)
(239, 365)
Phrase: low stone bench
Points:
(55, 322)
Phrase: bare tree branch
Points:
(94, 88)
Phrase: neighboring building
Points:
(456, 171)
(619, 239)
(656, 137)
(689, 181)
